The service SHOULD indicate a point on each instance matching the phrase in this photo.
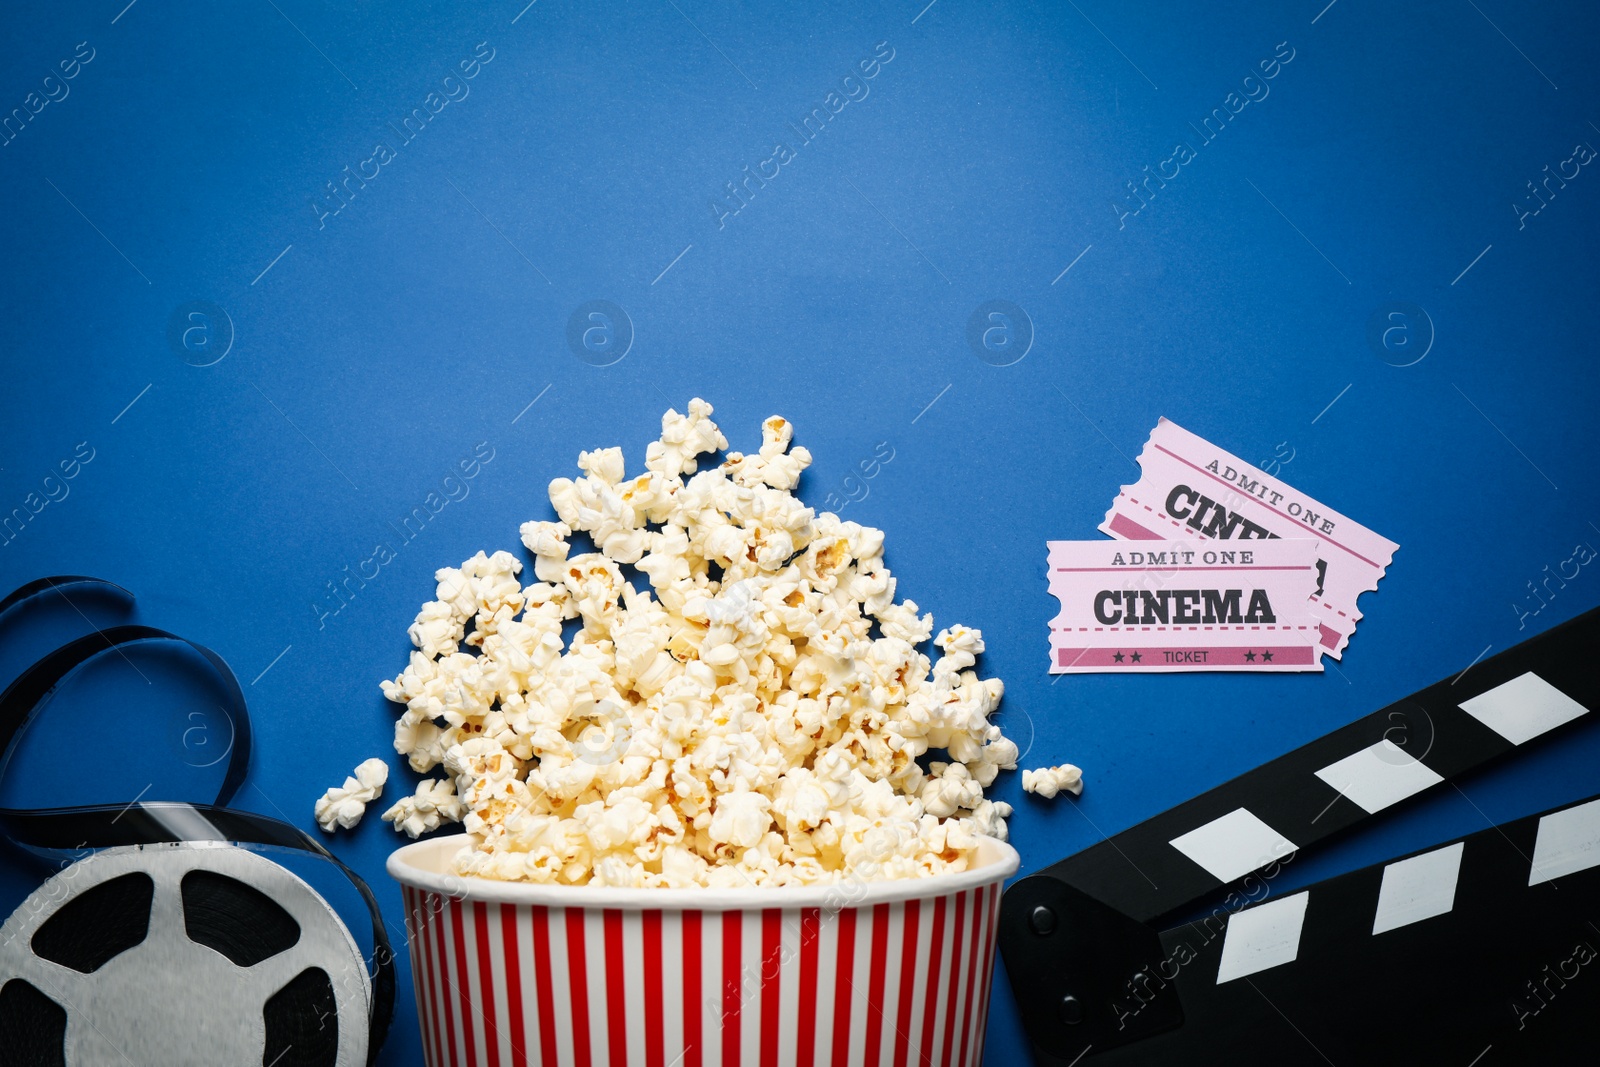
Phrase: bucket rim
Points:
(424, 865)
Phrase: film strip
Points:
(1436, 957)
(168, 842)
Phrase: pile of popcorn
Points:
(754, 717)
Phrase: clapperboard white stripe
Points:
(1418, 888)
(1568, 842)
(1523, 708)
(1265, 936)
(1234, 845)
(1379, 775)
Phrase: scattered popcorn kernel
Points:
(343, 805)
(1048, 781)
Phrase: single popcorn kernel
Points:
(1048, 781)
(342, 806)
(754, 716)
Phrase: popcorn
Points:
(1048, 781)
(774, 465)
(683, 437)
(434, 804)
(950, 789)
(753, 715)
(343, 806)
(741, 819)
(998, 755)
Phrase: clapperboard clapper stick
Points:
(1480, 950)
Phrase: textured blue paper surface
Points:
(1361, 270)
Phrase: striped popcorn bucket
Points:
(878, 974)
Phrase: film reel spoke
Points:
(271, 975)
(63, 985)
(166, 933)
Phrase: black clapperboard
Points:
(1477, 951)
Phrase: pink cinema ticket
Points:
(1191, 488)
(1192, 605)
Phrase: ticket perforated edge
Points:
(1191, 605)
(1188, 487)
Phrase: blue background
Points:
(371, 350)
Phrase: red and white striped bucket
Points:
(879, 974)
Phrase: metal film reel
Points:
(173, 954)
